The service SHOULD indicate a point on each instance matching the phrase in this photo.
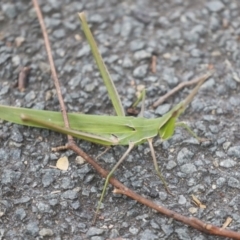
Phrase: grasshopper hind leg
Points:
(130, 147)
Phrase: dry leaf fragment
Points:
(139, 89)
(62, 163)
(227, 222)
(197, 202)
(192, 210)
(19, 41)
(79, 160)
(235, 76)
(78, 37)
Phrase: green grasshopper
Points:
(106, 130)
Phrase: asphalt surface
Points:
(187, 37)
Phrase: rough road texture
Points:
(186, 36)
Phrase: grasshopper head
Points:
(167, 130)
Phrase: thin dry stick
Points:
(190, 221)
(22, 78)
(154, 64)
(176, 89)
(52, 65)
(194, 222)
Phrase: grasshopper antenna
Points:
(195, 90)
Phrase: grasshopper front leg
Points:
(156, 165)
(184, 125)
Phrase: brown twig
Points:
(194, 222)
(154, 64)
(52, 66)
(176, 89)
(190, 221)
(22, 78)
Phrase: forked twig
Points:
(190, 221)
(194, 222)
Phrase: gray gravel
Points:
(38, 201)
